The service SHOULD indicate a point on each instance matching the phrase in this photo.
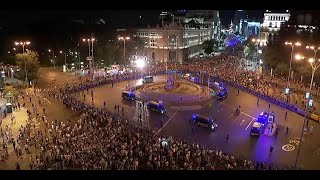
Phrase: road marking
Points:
(119, 87)
(249, 123)
(317, 151)
(236, 118)
(242, 122)
(167, 122)
(288, 147)
(207, 103)
(47, 100)
(235, 109)
(230, 116)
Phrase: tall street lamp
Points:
(53, 60)
(90, 50)
(292, 47)
(124, 39)
(25, 63)
(65, 57)
(257, 41)
(315, 64)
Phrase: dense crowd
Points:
(103, 140)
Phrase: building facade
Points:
(173, 42)
(272, 22)
(180, 35)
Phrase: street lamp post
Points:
(124, 39)
(90, 50)
(53, 61)
(65, 57)
(292, 47)
(257, 41)
(314, 65)
(25, 63)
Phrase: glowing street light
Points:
(124, 39)
(91, 65)
(314, 65)
(25, 63)
(65, 57)
(299, 57)
(140, 63)
(292, 47)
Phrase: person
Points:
(287, 129)
(285, 115)
(104, 104)
(238, 92)
(269, 106)
(192, 131)
(270, 151)
(17, 166)
(258, 101)
(227, 138)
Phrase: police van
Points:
(263, 119)
(156, 106)
(128, 95)
(148, 79)
(223, 93)
(204, 121)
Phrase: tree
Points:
(109, 53)
(208, 46)
(32, 65)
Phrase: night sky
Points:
(57, 28)
(118, 18)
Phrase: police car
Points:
(223, 93)
(263, 119)
(204, 121)
(156, 106)
(267, 116)
(128, 95)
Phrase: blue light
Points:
(194, 116)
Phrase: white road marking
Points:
(207, 103)
(119, 87)
(230, 116)
(47, 100)
(167, 122)
(249, 123)
(235, 109)
(317, 151)
(242, 122)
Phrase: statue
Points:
(170, 83)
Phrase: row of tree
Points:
(277, 55)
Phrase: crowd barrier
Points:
(289, 106)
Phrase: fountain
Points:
(170, 85)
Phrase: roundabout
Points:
(174, 92)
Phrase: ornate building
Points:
(180, 37)
(272, 22)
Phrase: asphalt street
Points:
(178, 124)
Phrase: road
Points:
(177, 124)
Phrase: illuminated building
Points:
(180, 35)
(272, 22)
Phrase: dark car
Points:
(128, 95)
(156, 106)
(204, 121)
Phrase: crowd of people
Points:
(103, 140)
